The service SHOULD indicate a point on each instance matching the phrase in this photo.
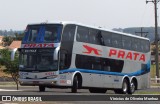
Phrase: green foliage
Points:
(11, 66)
(8, 40)
(19, 36)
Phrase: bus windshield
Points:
(37, 59)
(47, 33)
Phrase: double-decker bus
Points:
(78, 56)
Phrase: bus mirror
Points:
(13, 54)
(55, 56)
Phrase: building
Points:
(14, 45)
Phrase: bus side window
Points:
(126, 42)
(145, 46)
(82, 34)
(116, 40)
(139, 45)
(96, 65)
(106, 65)
(135, 44)
(68, 34)
(107, 38)
(92, 35)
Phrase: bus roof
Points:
(95, 27)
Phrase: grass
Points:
(7, 83)
(2, 73)
(153, 70)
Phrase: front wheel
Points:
(41, 88)
(75, 85)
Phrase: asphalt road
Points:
(64, 93)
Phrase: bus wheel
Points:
(97, 90)
(75, 85)
(41, 88)
(132, 87)
(124, 88)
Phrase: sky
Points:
(16, 14)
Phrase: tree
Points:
(8, 40)
(11, 66)
(19, 36)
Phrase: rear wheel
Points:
(41, 88)
(132, 87)
(125, 86)
(97, 90)
(124, 89)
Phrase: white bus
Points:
(77, 56)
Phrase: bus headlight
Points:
(53, 76)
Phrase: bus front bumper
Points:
(30, 82)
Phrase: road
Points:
(66, 93)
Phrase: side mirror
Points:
(56, 51)
(13, 54)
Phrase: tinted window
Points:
(82, 34)
(107, 38)
(68, 33)
(97, 63)
(42, 33)
(116, 40)
(134, 44)
(93, 36)
(126, 42)
(145, 45)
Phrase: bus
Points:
(77, 56)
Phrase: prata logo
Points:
(90, 50)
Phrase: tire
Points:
(42, 88)
(132, 87)
(75, 85)
(97, 90)
(124, 89)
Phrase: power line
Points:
(142, 32)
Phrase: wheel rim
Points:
(132, 87)
(125, 87)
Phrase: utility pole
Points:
(142, 32)
(156, 36)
